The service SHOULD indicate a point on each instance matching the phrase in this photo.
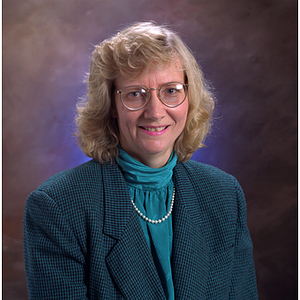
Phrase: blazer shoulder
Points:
(76, 193)
(221, 201)
(217, 189)
(78, 176)
(77, 188)
(207, 174)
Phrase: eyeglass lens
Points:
(171, 94)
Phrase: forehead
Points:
(155, 73)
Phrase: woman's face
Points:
(148, 134)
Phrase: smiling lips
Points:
(154, 129)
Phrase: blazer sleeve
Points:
(54, 261)
(243, 281)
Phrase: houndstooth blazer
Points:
(83, 238)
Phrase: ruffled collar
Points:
(143, 177)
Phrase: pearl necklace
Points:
(159, 220)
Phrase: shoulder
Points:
(217, 191)
(75, 195)
(206, 175)
(77, 188)
(220, 200)
(85, 177)
(80, 175)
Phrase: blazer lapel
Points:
(190, 253)
(130, 262)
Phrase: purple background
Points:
(248, 51)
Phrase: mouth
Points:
(155, 129)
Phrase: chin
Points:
(157, 150)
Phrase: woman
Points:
(140, 220)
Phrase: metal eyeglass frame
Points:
(149, 95)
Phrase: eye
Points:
(134, 94)
(171, 91)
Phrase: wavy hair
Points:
(129, 53)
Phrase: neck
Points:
(154, 162)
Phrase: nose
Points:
(154, 109)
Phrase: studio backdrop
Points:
(248, 52)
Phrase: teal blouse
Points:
(151, 190)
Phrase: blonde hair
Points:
(128, 53)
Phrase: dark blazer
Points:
(83, 238)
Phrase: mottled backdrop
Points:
(248, 51)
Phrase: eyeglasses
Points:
(171, 94)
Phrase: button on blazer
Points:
(83, 238)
